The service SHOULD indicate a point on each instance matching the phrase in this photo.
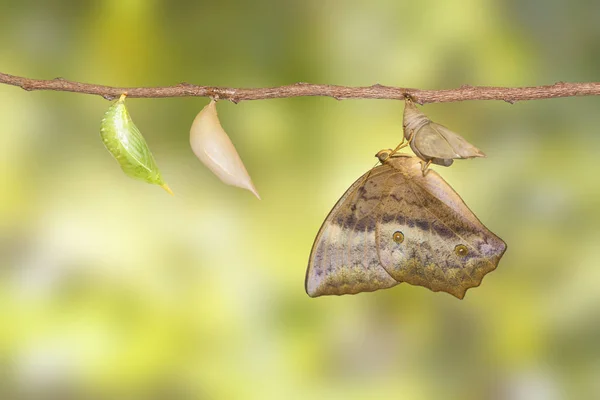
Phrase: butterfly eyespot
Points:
(398, 237)
(461, 250)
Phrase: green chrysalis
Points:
(127, 145)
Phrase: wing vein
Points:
(377, 224)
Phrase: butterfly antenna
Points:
(367, 175)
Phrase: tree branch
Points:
(465, 92)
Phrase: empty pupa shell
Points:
(127, 145)
(213, 147)
(434, 142)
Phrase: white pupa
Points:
(213, 147)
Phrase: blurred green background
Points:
(110, 288)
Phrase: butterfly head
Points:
(383, 155)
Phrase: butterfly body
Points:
(395, 225)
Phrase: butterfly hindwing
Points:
(434, 224)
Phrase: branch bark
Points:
(235, 95)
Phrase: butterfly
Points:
(395, 225)
(432, 142)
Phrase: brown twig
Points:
(465, 92)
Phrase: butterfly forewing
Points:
(344, 259)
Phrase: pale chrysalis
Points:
(127, 145)
(432, 142)
(213, 147)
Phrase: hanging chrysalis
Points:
(213, 147)
(127, 145)
(434, 143)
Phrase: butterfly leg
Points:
(403, 143)
(425, 167)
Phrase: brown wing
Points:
(344, 257)
(445, 247)
(356, 250)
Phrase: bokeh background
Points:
(110, 288)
